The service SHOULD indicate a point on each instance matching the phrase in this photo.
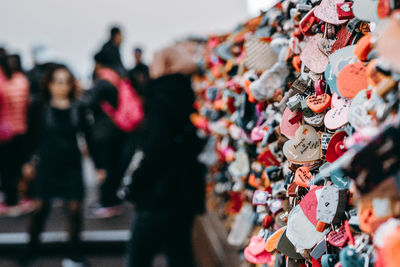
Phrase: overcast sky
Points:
(73, 30)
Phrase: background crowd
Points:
(48, 123)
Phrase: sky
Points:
(74, 30)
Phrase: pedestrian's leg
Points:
(145, 240)
(38, 221)
(9, 181)
(178, 244)
(10, 172)
(75, 228)
(117, 164)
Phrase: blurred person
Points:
(139, 75)
(110, 137)
(168, 188)
(14, 98)
(3, 52)
(112, 49)
(57, 160)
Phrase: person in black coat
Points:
(111, 48)
(109, 139)
(168, 188)
(57, 158)
(139, 75)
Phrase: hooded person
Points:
(168, 187)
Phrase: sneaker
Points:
(27, 205)
(15, 211)
(107, 212)
(73, 263)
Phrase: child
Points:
(58, 158)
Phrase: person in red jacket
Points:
(14, 95)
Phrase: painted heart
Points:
(312, 57)
(336, 147)
(338, 238)
(336, 117)
(327, 12)
(318, 103)
(325, 45)
(352, 79)
(305, 147)
(288, 129)
(302, 176)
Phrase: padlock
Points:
(294, 102)
(331, 206)
(353, 24)
(344, 10)
(307, 22)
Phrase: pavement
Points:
(104, 239)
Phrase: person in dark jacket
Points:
(139, 75)
(109, 139)
(57, 159)
(168, 188)
(111, 48)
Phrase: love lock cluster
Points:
(302, 107)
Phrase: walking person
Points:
(57, 159)
(168, 188)
(117, 111)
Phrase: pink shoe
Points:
(27, 205)
(3, 209)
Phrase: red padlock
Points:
(307, 22)
(296, 117)
(268, 221)
(345, 10)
